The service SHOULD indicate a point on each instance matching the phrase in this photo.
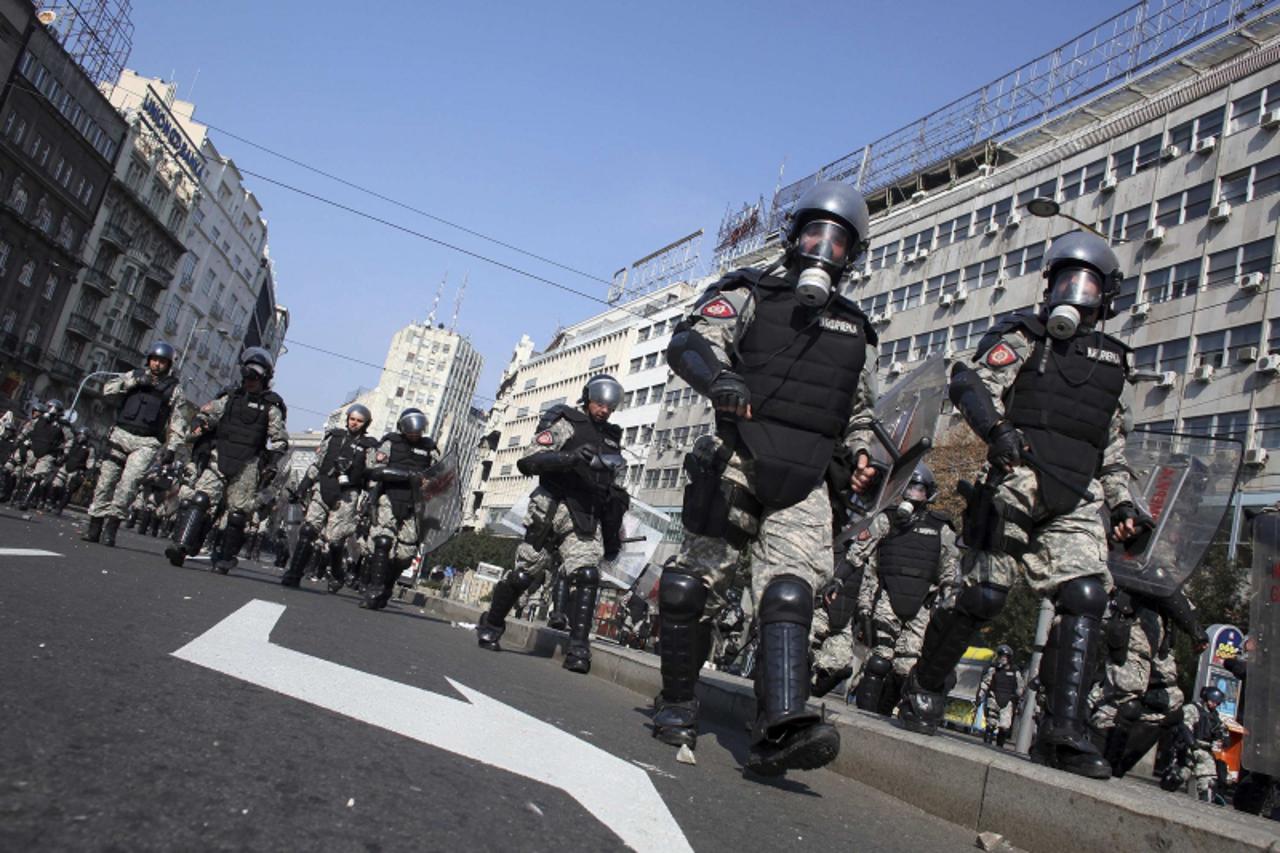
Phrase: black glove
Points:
(165, 456)
(294, 497)
(729, 392)
(142, 378)
(1126, 511)
(588, 454)
(1004, 446)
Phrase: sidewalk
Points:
(953, 777)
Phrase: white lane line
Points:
(619, 794)
(27, 552)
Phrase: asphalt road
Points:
(109, 742)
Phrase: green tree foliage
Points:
(466, 550)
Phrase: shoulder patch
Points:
(544, 438)
(719, 309)
(1001, 355)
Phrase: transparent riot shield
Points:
(907, 417)
(1185, 483)
(437, 502)
(1262, 681)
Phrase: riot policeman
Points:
(237, 425)
(1201, 734)
(338, 472)
(76, 464)
(789, 366)
(1045, 394)
(909, 560)
(999, 692)
(8, 444)
(398, 461)
(43, 441)
(150, 420)
(577, 458)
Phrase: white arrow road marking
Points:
(27, 552)
(619, 794)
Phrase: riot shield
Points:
(1261, 752)
(437, 502)
(1185, 484)
(907, 418)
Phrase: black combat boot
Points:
(337, 567)
(109, 528)
(787, 735)
(685, 644)
(93, 532)
(143, 521)
(382, 575)
(582, 617)
(506, 592)
(870, 692)
(53, 500)
(224, 557)
(131, 518)
(826, 680)
(300, 557)
(1066, 673)
(32, 495)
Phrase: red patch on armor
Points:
(719, 309)
(1001, 355)
(544, 438)
(864, 536)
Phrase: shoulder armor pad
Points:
(613, 431)
(1018, 321)
(368, 441)
(1124, 348)
(944, 517)
(555, 413)
(391, 436)
(276, 400)
(329, 433)
(225, 392)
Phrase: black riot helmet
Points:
(921, 488)
(1082, 276)
(1209, 693)
(412, 424)
(1004, 651)
(362, 411)
(256, 361)
(164, 351)
(54, 409)
(82, 436)
(826, 233)
(603, 389)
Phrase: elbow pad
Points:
(391, 475)
(547, 462)
(972, 399)
(692, 359)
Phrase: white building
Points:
(223, 296)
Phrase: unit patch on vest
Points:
(1103, 355)
(926, 531)
(844, 327)
(719, 309)
(1001, 355)
(544, 438)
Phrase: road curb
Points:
(1034, 808)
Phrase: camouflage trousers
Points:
(832, 650)
(336, 524)
(402, 533)
(42, 468)
(794, 540)
(563, 544)
(126, 460)
(62, 477)
(1058, 548)
(895, 639)
(993, 713)
(240, 490)
(1144, 673)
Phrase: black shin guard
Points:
(381, 574)
(189, 532)
(582, 617)
(300, 557)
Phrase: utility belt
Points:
(709, 497)
(986, 517)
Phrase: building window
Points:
(1189, 133)
(1083, 179)
(513, 441)
(929, 343)
(1184, 206)
(646, 433)
(50, 287)
(954, 230)
(915, 242)
(905, 298)
(631, 433)
(1131, 160)
(669, 477)
(651, 479)
(18, 195)
(504, 471)
(27, 271)
(4, 256)
(8, 321)
(1127, 294)
(1173, 356)
(1268, 432)
(1228, 265)
(1130, 225)
(32, 335)
(651, 360)
(643, 334)
(596, 362)
(966, 335)
(44, 217)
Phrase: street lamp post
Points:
(84, 381)
(195, 327)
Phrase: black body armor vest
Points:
(802, 366)
(585, 494)
(46, 437)
(345, 455)
(910, 562)
(241, 433)
(409, 457)
(1004, 686)
(145, 411)
(1065, 412)
(77, 458)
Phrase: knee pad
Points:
(787, 598)
(586, 576)
(383, 544)
(201, 500)
(520, 580)
(982, 601)
(681, 597)
(879, 667)
(1157, 700)
(237, 519)
(1082, 597)
(1130, 711)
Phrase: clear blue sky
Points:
(588, 132)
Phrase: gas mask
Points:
(824, 246)
(914, 496)
(1074, 291)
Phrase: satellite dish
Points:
(46, 16)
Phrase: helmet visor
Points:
(606, 392)
(916, 491)
(1076, 286)
(413, 423)
(827, 242)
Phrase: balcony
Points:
(187, 283)
(170, 326)
(8, 343)
(145, 315)
(113, 233)
(83, 325)
(99, 282)
(31, 354)
(62, 370)
(217, 312)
